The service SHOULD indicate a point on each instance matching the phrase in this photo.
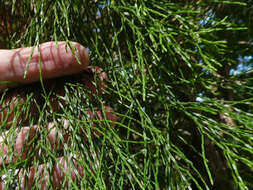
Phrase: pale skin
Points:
(55, 62)
(51, 61)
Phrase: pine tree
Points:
(185, 115)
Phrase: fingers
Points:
(15, 98)
(61, 169)
(39, 177)
(15, 147)
(20, 143)
(55, 62)
(56, 136)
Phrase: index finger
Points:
(55, 62)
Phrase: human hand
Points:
(55, 62)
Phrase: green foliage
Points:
(185, 121)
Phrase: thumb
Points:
(49, 59)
